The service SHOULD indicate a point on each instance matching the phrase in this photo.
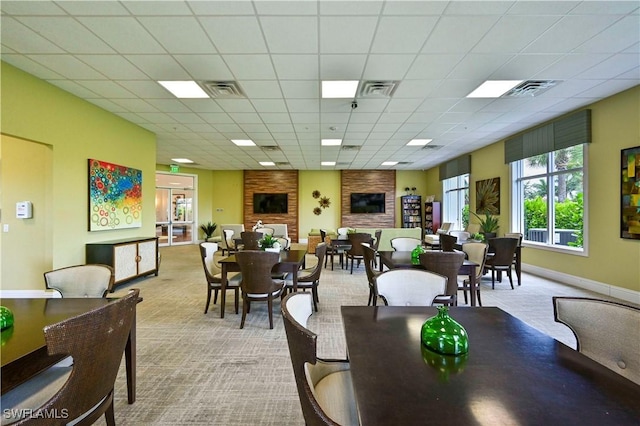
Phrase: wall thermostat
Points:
(24, 210)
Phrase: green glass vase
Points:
(6, 318)
(416, 252)
(444, 335)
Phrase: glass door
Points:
(175, 209)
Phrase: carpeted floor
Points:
(202, 369)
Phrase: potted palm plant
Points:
(208, 228)
(488, 225)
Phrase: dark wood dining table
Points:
(290, 261)
(339, 246)
(24, 349)
(402, 259)
(512, 375)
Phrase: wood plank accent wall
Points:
(272, 182)
(369, 181)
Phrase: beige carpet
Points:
(201, 369)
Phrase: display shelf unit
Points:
(130, 258)
(431, 217)
(411, 211)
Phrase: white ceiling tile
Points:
(542, 7)
(250, 67)
(115, 66)
(216, 118)
(205, 67)
(68, 66)
(521, 30)
(387, 67)
(571, 65)
(144, 110)
(472, 7)
(221, 7)
(21, 39)
(334, 30)
(479, 66)
(245, 117)
(305, 89)
(235, 34)
(146, 89)
(278, 30)
(524, 67)
(159, 67)
(67, 33)
(35, 8)
(613, 39)
(612, 67)
(303, 105)
(235, 105)
(275, 118)
(412, 8)
(433, 66)
(296, 67)
(118, 33)
(458, 34)
(35, 68)
(415, 88)
(352, 8)
(307, 118)
(279, 7)
(257, 89)
(93, 8)
(275, 105)
(402, 34)
(157, 8)
(168, 105)
(186, 35)
(105, 88)
(74, 88)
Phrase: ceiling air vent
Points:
(404, 163)
(350, 147)
(530, 88)
(270, 148)
(430, 147)
(282, 163)
(222, 89)
(378, 89)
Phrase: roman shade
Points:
(456, 167)
(574, 129)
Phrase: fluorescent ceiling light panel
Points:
(331, 142)
(389, 163)
(243, 142)
(419, 142)
(328, 163)
(184, 89)
(493, 88)
(339, 89)
(267, 163)
(181, 160)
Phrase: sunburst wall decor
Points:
(488, 196)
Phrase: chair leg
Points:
(270, 308)
(510, 277)
(314, 296)
(236, 300)
(215, 296)
(478, 297)
(370, 301)
(245, 308)
(109, 415)
(493, 279)
(206, 307)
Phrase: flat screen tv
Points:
(270, 203)
(367, 203)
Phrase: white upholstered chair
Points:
(477, 253)
(229, 233)
(607, 332)
(405, 243)
(213, 275)
(81, 280)
(281, 232)
(409, 287)
(324, 386)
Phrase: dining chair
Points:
(477, 253)
(448, 264)
(324, 385)
(265, 231)
(405, 243)
(310, 278)
(257, 283)
(500, 258)
(448, 242)
(376, 245)
(607, 332)
(81, 280)
(369, 255)
(519, 237)
(409, 287)
(228, 243)
(250, 240)
(213, 275)
(82, 392)
(355, 252)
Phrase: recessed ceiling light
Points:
(181, 160)
(184, 89)
(339, 89)
(493, 88)
(331, 142)
(328, 163)
(389, 163)
(243, 142)
(419, 142)
(267, 163)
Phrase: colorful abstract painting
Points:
(630, 194)
(115, 196)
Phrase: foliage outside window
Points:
(548, 198)
(456, 201)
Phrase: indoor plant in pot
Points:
(269, 243)
(208, 228)
(488, 225)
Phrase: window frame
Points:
(460, 189)
(517, 202)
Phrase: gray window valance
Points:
(456, 167)
(574, 129)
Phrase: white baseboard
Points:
(303, 240)
(29, 294)
(587, 284)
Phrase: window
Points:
(456, 201)
(548, 198)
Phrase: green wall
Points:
(34, 111)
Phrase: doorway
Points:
(175, 207)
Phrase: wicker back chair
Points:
(257, 283)
(250, 240)
(96, 341)
(448, 242)
(444, 263)
(355, 252)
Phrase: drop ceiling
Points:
(112, 53)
